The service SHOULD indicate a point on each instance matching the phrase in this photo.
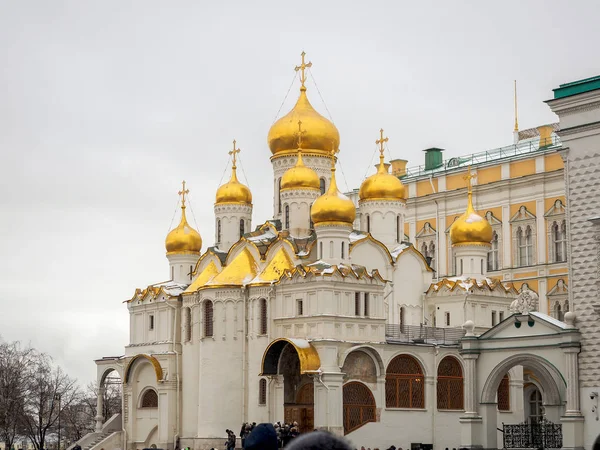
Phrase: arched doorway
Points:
(293, 362)
(109, 394)
(359, 406)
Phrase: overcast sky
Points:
(106, 106)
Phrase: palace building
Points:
(428, 307)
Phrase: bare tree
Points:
(51, 392)
(15, 363)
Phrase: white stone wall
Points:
(230, 215)
(386, 220)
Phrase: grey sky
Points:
(106, 106)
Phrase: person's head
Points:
(319, 440)
(262, 437)
(596, 445)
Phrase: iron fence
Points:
(533, 434)
(417, 334)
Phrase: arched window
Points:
(558, 312)
(262, 392)
(322, 185)
(149, 399)
(312, 225)
(218, 231)
(368, 224)
(208, 318)
(343, 253)
(404, 383)
(359, 406)
(263, 316)
(187, 318)
(287, 216)
(492, 256)
(504, 394)
(432, 255)
(320, 250)
(402, 319)
(450, 384)
(279, 196)
(536, 407)
(398, 231)
(242, 230)
(525, 246)
(559, 241)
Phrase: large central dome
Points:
(320, 136)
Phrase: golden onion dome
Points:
(471, 228)
(333, 207)
(318, 138)
(300, 177)
(233, 191)
(381, 185)
(183, 238)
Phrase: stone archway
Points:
(292, 362)
(109, 391)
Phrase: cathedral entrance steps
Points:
(106, 440)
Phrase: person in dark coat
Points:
(262, 437)
(319, 440)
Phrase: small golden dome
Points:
(300, 177)
(381, 185)
(333, 207)
(183, 238)
(233, 191)
(320, 134)
(471, 228)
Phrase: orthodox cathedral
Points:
(309, 318)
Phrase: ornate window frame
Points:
(427, 243)
(556, 215)
(497, 229)
(558, 300)
(522, 220)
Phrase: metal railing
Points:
(416, 334)
(521, 148)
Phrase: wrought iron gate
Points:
(535, 434)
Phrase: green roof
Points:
(577, 87)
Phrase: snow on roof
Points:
(399, 249)
(300, 343)
(357, 235)
(550, 319)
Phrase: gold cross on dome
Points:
(183, 192)
(234, 153)
(300, 133)
(381, 141)
(302, 67)
(468, 177)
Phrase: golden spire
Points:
(234, 153)
(302, 67)
(468, 177)
(381, 141)
(234, 191)
(183, 192)
(516, 118)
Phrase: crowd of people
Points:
(285, 432)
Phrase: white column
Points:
(99, 409)
(470, 422)
(329, 402)
(506, 238)
(572, 407)
(541, 232)
(277, 399)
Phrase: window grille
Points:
(262, 392)
(208, 318)
(150, 399)
(404, 383)
(357, 303)
(151, 322)
(242, 231)
(366, 309)
(287, 216)
(359, 406)
(263, 316)
(504, 394)
(450, 384)
(300, 307)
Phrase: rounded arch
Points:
(106, 371)
(548, 375)
(359, 405)
(405, 382)
(450, 384)
(307, 354)
(151, 359)
(148, 398)
(374, 354)
(412, 355)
